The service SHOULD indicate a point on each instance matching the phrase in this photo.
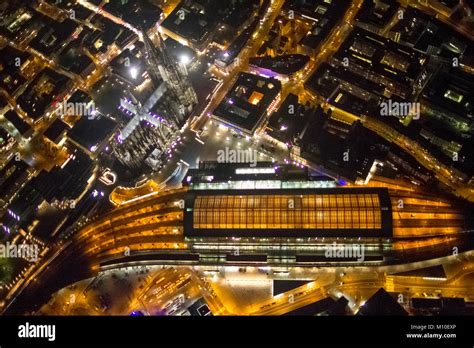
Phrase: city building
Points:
(322, 16)
(249, 101)
(428, 34)
(139, 14)
(112, 34)
(449, 98)
(288, 122)
(382, 61)
(191, 25)
(346, 90)
(280, 67)
(52, 36)
(382, 304)
(316, 10)
(254, 209)
(42, 94)
(129, 67)
(351, 151)
(229, 55)
(23, 128)
(91, 134)
(57, 131)
(376, 15)
(12, 64)
(149, 132)
(13, 176)
(17, 21)
(76, 60)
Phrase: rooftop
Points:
(129, 67)
(56, 130)
(17, 121)
(343, 212)
(52, 35)
(249, 99)
(90, 133)
(377, 13)
(190, 23)
(381, 303)
(42, 92)
(140, 14)
(287, 64)
(289, 120)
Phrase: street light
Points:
(184, 59)
(134, 72)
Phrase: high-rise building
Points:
(147, 135)
(162, 67)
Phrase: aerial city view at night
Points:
(237, 158)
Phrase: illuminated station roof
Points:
(290, 213)
(265, 201)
